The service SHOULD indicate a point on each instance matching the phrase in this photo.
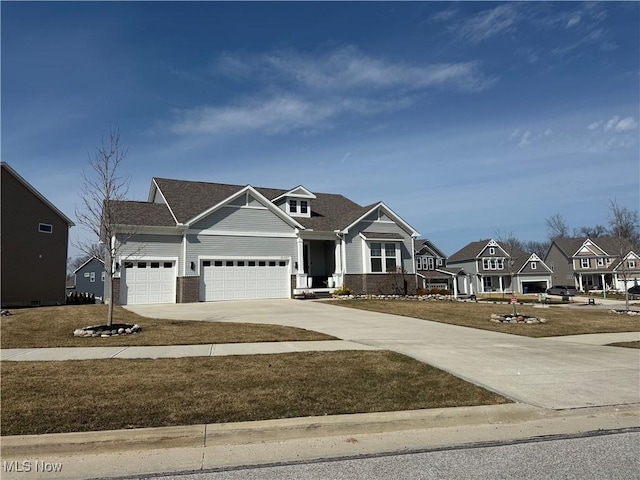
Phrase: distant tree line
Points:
(623, 225)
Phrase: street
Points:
(610, 456)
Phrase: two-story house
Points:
(89, 278)
(35, 237)
(491, 267)
(431, 267)
(592, 263)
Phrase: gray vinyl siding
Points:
(561, 266)
(149, 246)
(243, 220)
(355, 244)
(234, 246)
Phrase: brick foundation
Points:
(384, 284)
(188, 290)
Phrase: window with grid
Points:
(382, 255)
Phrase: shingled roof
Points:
(187, 199)
(570, 246)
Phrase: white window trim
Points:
(631, 264)
(582, 263)
(383, 257)
(534, 265)
(48, 226)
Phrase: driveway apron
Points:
(541, 372)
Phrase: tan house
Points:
(592, 264)
(34, 242)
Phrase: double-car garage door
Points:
(243, 279)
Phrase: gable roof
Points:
(425, 245)
(571, 246)
(470, 251)
(7, 169)
(186, 200)
(91, 259)
(380, 205)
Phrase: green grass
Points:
(89, 395)
(54, 326)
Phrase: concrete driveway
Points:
(541, 372)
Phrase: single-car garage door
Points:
(244, 279)
(148, 281)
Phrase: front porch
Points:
(320, 271)
(595, 281)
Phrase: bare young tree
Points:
(102, 188)
(556, 227)
(624, 227)
(514, 249)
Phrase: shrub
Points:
(344, 290)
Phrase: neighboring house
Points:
(486, 266)
(197, 241)
(592, 263)
(431, 267)
(88, 278)
(35, 237)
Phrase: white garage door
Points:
(244, 279)
(148, 281)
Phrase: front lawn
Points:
(560, 320)
(87, 395)
(54, 326)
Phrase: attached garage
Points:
(148, 281)
(244, 279)
(535, 286)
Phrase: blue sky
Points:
(467, 119)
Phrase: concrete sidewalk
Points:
(176, 351)
(542, 372)
(203, 447)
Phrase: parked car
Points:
(564, 290)
(635, 290)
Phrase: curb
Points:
(263, 430)
(293, 428)
(221, 447)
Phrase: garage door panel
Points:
(147, 282)
(243, 279)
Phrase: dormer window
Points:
(298, 207)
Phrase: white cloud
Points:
(278, 114)
(615, 124)
(525, 139)
(611, 124)
(573, 21)
(489, 23)
(348, 68)
(625, 124)
(445, 15)
(320, 89)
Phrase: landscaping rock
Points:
(107, 331)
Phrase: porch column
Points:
(501, 283)
(455, 286)
(337, 257)
(301, 278)
(580, 287)
(604, 283)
